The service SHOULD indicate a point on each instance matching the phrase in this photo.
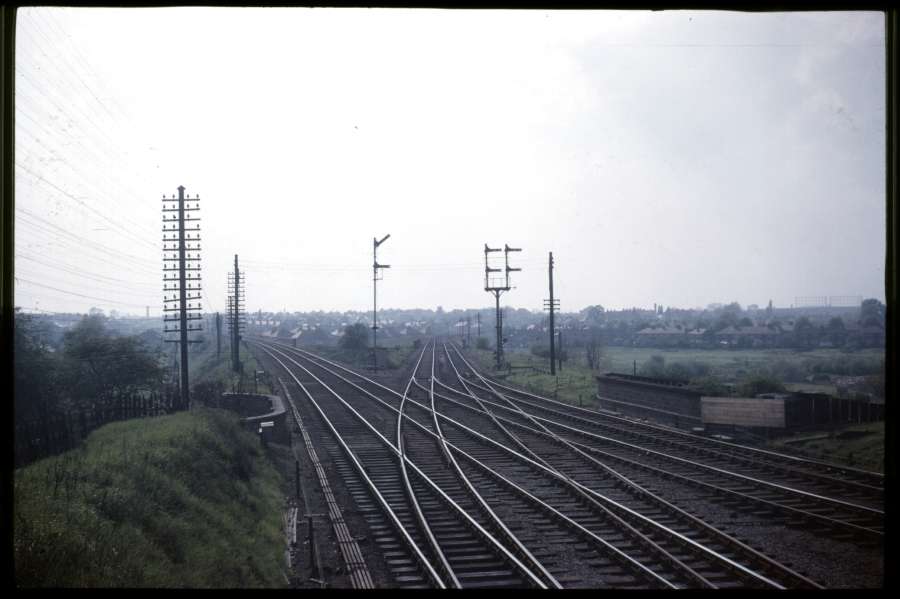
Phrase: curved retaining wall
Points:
(256, 409)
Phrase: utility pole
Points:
(497, 286)
(468, 330)
(375, 278)
(218, 335)
(236, 318)
(552, 305)
(478, 322)
(181, 248)
(560, 350)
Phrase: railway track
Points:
(620, 528)
(430, 520)
(859, 483)
(828, 508)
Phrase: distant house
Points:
(661, 337)
(752, 336)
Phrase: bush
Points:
(356, 338)
(760, 384)
(710, 386)
(785, 371)
(482, 343)
(654, 367)
(685, 371)
(540, 351)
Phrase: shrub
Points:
(760, 384)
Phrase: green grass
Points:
(186, 500)
(730, 364)
(844, 446)
(574, 384)
(205, 367)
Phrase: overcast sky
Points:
(674, 157)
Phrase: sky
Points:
(671, 157)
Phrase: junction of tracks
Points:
(446, 478)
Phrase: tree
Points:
(871, 313)
(804, 333)
(836, 331)
(593, 314)
(593, 351)
(32, 383)
(482, 343)
(98, 365)
(356, 337)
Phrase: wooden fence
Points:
(53, 433)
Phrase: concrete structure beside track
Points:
(674, 404)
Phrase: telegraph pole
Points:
(375, 269)
(497, 286)
(560, 350)
(218, 335)
(552, 304)
(181, 247)
(236, 318)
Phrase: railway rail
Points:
(619, 527)
(827, 507)
(462, 539)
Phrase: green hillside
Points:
(187, 500)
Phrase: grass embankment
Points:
(205, 367)
(186, 500)
(574, 384)
(858, 446)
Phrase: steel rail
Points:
(474, 525)
(361, 471)
(828, 521)
(727, 473)
(784, 469)
(646, 493)
(715, 533)
(443, 564)
(507, 534)
(664, 554)
(741, 448)
(618, 554)
(667, 556)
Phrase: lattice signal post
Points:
(181, 276)
(376, 269)
(237, 318)
(497, 285)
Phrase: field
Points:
(575, 382)
(730, 364)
